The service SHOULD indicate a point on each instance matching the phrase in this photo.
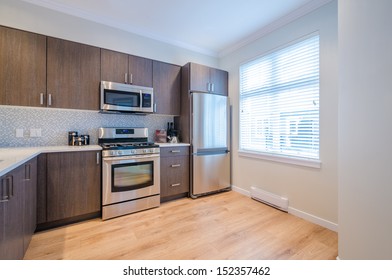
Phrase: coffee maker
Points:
(172, 134)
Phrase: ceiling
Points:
(212, 27)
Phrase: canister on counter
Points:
(72, 135)
(86, 139)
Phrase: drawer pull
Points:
(175, 151)
(175, 185)
(175, 165)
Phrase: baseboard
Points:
(306, 216)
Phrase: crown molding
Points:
(290, 17)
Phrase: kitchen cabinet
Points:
(70, 187)
(22, 67)
(73, 75)
(167, 88)
(30, 202)
(17, 210)
(124, 68)
(206, 79)
(174, 172)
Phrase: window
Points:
(279, 102)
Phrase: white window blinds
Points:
(279, 102)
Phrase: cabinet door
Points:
(22, 67)
(30, 198)
(114, 66)
(167, 88)
(73, 184)
(41, 189)
(140, 71)
(11, 246)
(199, 77)
(219, 81)
(73, 75)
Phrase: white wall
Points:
(365, 131)
(312, 191)
(22, 15)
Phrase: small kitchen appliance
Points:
(130, 171)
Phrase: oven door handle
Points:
(123, 158)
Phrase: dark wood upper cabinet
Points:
(167, 88)
(114, 66)
(206, 79)
(219, 80)
(124, 68)
(22, 67)
(140, 71)
(73, 75)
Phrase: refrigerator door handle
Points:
(212, 151)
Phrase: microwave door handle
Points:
(141, 99)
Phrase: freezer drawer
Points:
(210, 173)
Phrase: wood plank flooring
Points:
(217, 227)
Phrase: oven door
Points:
(129, 177)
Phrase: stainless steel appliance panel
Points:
(109, 197)
(210, 122)
(210, 173)
(127, 207)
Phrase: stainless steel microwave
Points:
(118, 97)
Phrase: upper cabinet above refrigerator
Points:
(206, 79)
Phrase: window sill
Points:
(283, 159)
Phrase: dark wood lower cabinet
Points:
(174, 172)
(72, 187)
(17, 210)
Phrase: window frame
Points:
(277, 157)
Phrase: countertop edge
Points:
(12, 158)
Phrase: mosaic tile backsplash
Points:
(55, 124)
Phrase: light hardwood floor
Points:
(222, 226)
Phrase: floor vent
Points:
(268, 198)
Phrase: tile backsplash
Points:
(55, 124)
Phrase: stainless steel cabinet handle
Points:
(49, 99)
(28, 171)
(131, 78)
(208, 86)
(212, 87)
(175, 185)
(98, 157)
(126, 78)
(11, 186)
(41, 98)
(175, 151)
(141, 98)
(4, 191)
(175, 165)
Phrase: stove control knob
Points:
(119, 152)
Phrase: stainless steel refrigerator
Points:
(210, 140)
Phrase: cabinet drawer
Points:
(174, 151)
(174, 175)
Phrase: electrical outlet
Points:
(19, 132)
(35, 132)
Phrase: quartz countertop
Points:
(11, 158)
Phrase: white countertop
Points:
(163, 145)
(10, 158)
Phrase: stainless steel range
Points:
(130, 171)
